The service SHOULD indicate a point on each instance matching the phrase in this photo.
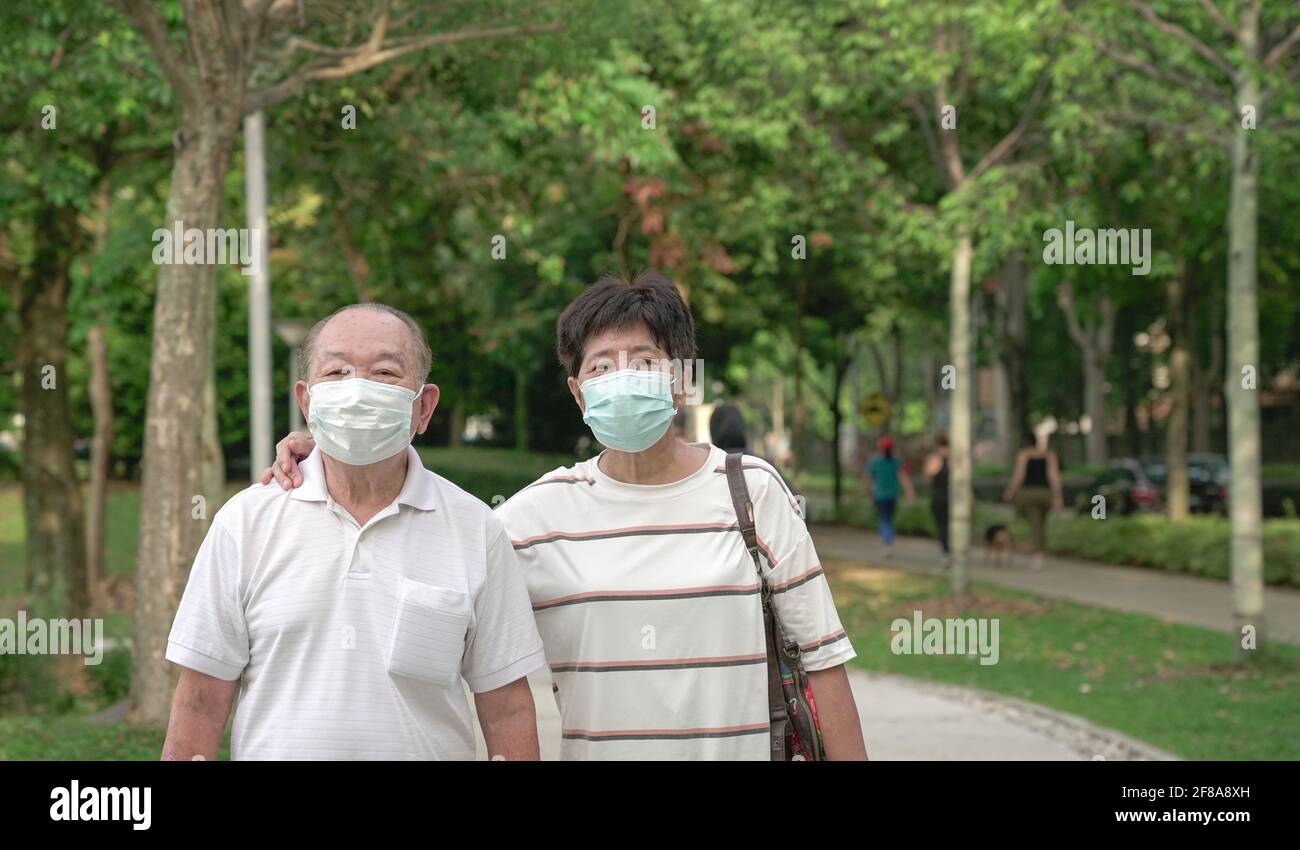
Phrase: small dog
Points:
(997, 542)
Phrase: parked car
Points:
(1127, 486)
(1208, 476)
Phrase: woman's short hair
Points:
(613, 303)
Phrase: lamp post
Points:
(293, 332)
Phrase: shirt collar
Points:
(420, 489)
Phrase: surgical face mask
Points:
(360, 422)
(628, 410)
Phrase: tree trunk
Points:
(213, 464)
(521, 410)
(1131, 376)
(1094, 389)
(101, 456)
(1177, 492)
(1094, 344)
(1242, 398)
(456, 426)
(797, 414)
(1012, 361)
(1203, 381)
(53, 512)
(841, 367)
(960, 494)
(172, 524)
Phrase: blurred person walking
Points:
(887, 474)
(936, 470)
(1035, 489)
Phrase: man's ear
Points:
(577, 394)
(302, 393)
(426, 403)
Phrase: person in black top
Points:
(1035, 488)
(936, 469)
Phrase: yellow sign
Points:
(876, 409)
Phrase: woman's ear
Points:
(577, 394)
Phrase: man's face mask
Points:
(628, 410)
(360, 422)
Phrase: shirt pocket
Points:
(428, 633)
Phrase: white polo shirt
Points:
(350, 641)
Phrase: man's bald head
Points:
(411, 345)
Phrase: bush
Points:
(1198, 545)
(112, 676)
(488, 473)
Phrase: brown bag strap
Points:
(777, 713)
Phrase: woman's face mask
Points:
(360, 422)
(628, 410)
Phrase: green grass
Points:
(1177, 687)
(72, 737)
(122, 524)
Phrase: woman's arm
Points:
(1013, 486)
(1054, 480)
(838, 714)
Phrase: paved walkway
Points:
(1173, 596)
(906, 719)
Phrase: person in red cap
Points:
(887, 472)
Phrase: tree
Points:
(63, 136)
(239, 58)
(1234, 61)
(933, 48)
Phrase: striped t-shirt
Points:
(648, 606)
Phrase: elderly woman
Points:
(645, 594)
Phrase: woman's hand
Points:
(288, 452)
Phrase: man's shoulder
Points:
(251, 502)
(458, 501)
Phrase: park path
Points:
(906, 719)
(1173, 596)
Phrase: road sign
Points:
(876, 408)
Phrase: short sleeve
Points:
(801, 596)
(503, 643)
(209, 633)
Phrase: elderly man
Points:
(346, 611)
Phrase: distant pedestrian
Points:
(727, 432)
(1035, 489)
(727, 429)
(887, 473)
(936, 469)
